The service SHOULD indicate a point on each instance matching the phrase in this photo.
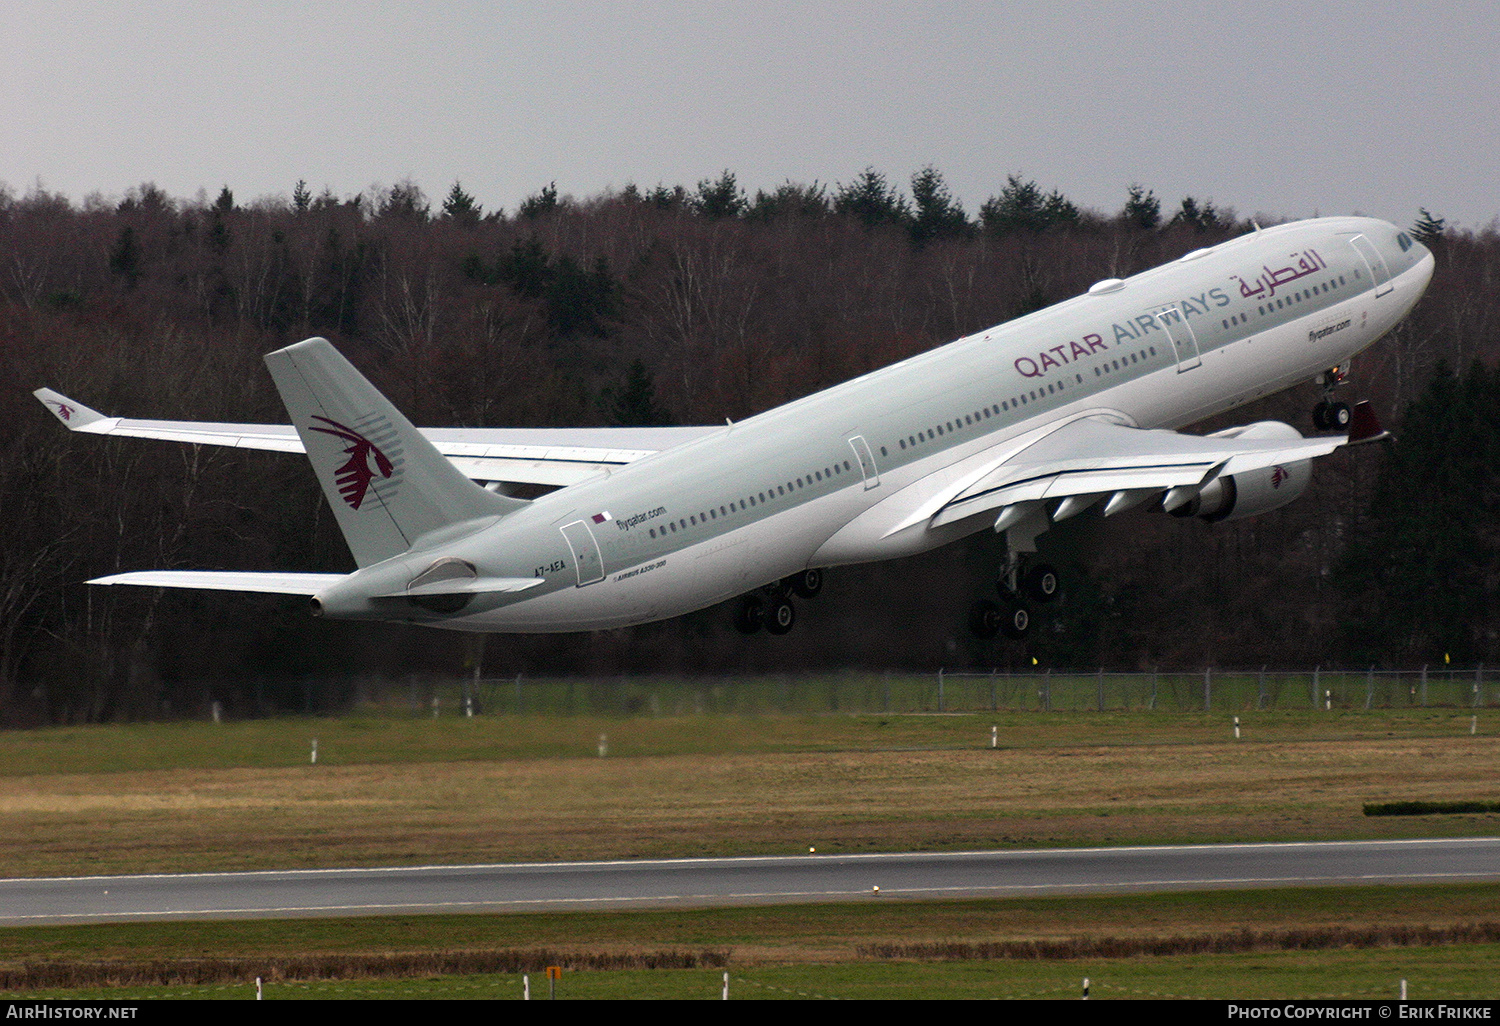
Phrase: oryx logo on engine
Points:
(368, 461)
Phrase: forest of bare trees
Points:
(665, 305)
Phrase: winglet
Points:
(74, 415)
(1364, 426)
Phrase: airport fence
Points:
(958, 691)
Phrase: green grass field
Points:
(1465, 973)
(394, 789)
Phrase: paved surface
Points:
(709, 882)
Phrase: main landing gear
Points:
(1329, 415)
(771, 607)
(1011, 616)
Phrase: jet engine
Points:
(1256, 491)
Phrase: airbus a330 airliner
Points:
(1009, 430)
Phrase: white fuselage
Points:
(824, 480)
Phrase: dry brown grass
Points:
(695, 804)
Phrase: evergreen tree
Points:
(579, 301)
(301, 196)
(789, 200)
(720, 199)
(634, 403)
(938, 215)
(526, 269)
(541, 203)
(218, 220)
(1022, 207)
(1198, 216)
(460, 207)
(871, 201)
(1420, 574)
(1142, 209)
(405, 201)
(147, 198)
(1428, 230)
(125, 258)
(663, 198)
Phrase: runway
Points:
(739, 881)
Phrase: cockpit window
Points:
(1404, 241)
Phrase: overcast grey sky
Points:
(1279, 108)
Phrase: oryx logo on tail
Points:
(63, 410)
(366, 460)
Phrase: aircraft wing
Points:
(1087, 460)
(543, 456)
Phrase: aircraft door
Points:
(866, 461)
(585, 552)
(1184, 343)
(1374, 263)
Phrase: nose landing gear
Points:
(1329, 415)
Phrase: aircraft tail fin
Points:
(386, 483)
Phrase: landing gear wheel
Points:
(985, 619)
(1015, 621)
(1039, 583)
(1331, 416)
(808, 583)
(750, 615)
(780, 617)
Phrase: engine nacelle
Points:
(1254, 492)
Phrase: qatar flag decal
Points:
(602, 518)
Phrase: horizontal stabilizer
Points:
(470, 586)
(226, 580)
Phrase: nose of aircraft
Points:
(1424, 267)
